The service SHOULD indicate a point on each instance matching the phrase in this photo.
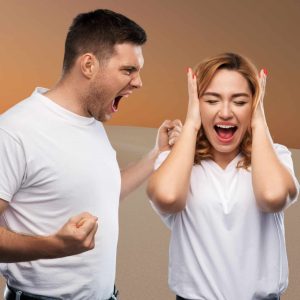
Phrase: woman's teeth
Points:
(226, 126)
(225, 131)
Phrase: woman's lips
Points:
(225, 133)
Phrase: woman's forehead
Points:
(228, 81)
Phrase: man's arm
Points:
(76, 236)
(135, 174)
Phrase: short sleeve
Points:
(285, 157)
(12, 165)
(165, 217)
(161, 158)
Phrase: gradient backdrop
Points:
(180, 33)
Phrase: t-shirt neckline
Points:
(232, 164)
(61, 111)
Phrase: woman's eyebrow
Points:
(240, 95)
(235, 95)
(212, 94)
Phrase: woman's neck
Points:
(223, 158)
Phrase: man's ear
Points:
(89, 65)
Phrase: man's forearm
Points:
(134, 175)
(75, 236)
(16, 247)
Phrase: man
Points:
(56, 161)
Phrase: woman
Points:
(223, 187)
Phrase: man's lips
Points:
(116, 101)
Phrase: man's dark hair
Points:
(98, 32)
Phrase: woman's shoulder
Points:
(280, 148)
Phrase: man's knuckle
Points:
(86, 244)
(80, 237)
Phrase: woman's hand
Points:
(259, 113)
(193, 112)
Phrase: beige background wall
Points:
(181, 33)
(143, 244)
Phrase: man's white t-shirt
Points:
(56, 164)
(223, 247)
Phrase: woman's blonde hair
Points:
(205, 71)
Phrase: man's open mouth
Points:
(115, 103)
(225, 132)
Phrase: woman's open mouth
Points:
(225, 133)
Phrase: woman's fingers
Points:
(192, 86)
(262, 82)
(193, 113)
(259, 114)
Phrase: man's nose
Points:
(136, 82)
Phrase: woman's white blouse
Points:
(223, 247)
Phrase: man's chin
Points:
(105, 118)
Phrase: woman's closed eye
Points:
(240, 102)
(212, 101)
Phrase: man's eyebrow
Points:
(129, 67)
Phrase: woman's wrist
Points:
(191, 125)
(258, 122)
(260, 130)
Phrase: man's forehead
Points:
(129, 54)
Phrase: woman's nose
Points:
(225, 111)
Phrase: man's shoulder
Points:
(20, 110)
(18, 115)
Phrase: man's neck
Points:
(66, 94)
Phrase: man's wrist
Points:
(52, 247)
(154, 153)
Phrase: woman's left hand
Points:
(259, 113)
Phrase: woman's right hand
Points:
(193, 112)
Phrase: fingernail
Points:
(265, 71)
